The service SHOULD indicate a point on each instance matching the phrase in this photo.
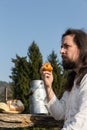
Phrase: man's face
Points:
(69, 52)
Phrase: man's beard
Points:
(69, 65)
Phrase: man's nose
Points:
(62, 51)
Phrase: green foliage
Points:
(20, 79)
(35, 61)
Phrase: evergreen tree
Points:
(35, 61)
(20, 79)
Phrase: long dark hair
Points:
(80, 39)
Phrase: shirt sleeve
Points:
(57, 107)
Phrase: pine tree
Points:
(20, 79)
(35, 61)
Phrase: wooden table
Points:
(28, 120)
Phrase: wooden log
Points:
(28, 120)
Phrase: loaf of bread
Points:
(4, 107)
(47, 67)
(15, 105)
(12, 106)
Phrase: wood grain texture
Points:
(28, 120)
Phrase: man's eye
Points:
(66, 46)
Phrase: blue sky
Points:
(42, 21)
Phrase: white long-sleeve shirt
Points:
(72, 107)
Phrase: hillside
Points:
(3, 86)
